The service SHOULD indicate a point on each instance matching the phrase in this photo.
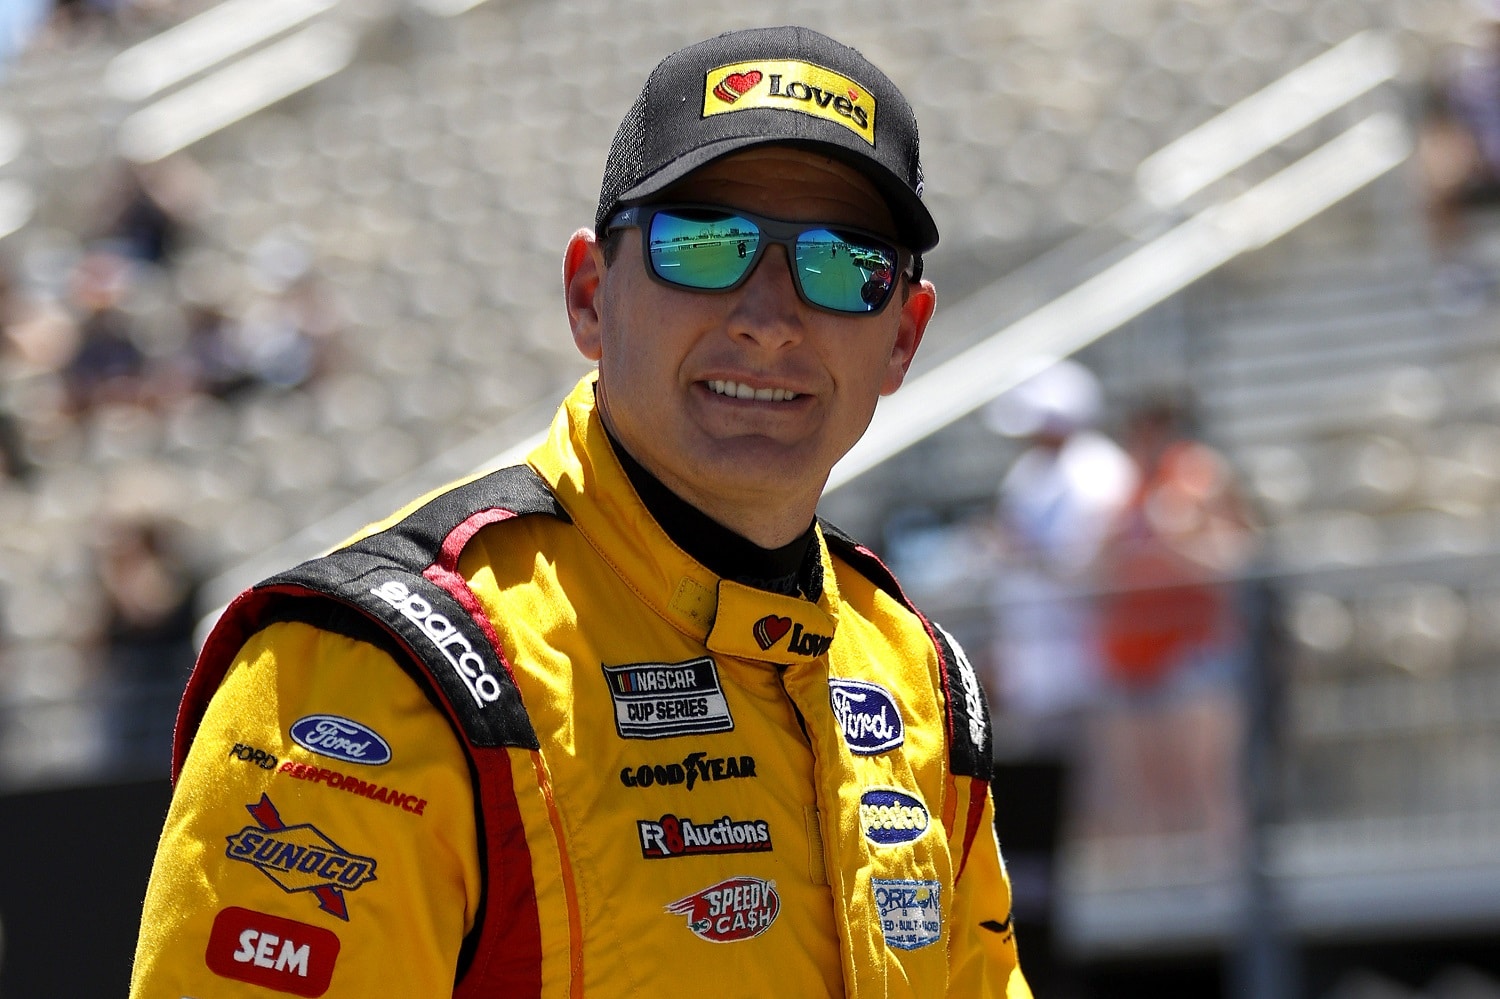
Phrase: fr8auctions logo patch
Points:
(733, 910)
(676, 837)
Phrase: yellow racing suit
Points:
(515, 742)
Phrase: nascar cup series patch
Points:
(659, 700)
(867, 715)
(735, 909)
(790, 85)
(909, 912)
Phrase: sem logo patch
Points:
(446, 637)
(910, 916)
(658, 700)
(891, 817)
(300, 858)
(341, 739)
(867, 715)
(675, 837)
(272, 952)
(790, 85)
(733, 910)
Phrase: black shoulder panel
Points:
(970, 742)
(431, 626)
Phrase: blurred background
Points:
(1200, 460)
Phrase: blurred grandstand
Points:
(271, 268)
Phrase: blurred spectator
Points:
(1171, 639)
(1054, 508)
(148, 209)
(108, 366)
(150, 600)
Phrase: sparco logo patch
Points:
(694, 767)
(445, 637)
(891, 817)
(671, 836)
(867, 715)
(973, 696)
(272, 952)
(910, 915)
(657, 700)
(790, 85)
(732, 910)
(300, 858)
(341, 739)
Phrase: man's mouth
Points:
(736, 390)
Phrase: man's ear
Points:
(583, 273)
(916, 312)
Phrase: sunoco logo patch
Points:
(867, 715)
(657, 700)
(891, 817)
(789, 85)
(733, 910)
(300, 858)
(671, 836)
(910, 915)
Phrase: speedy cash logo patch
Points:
(658, 700)
(671, 836)
(272, 952)
(790, 85)
(735, 909)
(300, 858)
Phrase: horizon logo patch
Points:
(660, 700)
(735, 909)
(790, 85)
(867, 716)
(300, 858)
(892, 817)
(341, 738)
(910, 914)
(272, 952)
(671, 836)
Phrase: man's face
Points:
(670, 358)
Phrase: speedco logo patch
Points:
(733, 910)
(675, 837)
(910, 916)
(341, 738)
(867, 715)
(891, 817)
(657, 700)
(300, 858)
(445, 637)
(272, 952)
(790, 85)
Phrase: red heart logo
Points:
(732, 86)
(854, 96)
(769, 629)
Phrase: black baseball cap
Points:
(786, 86)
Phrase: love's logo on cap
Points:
(790, 85)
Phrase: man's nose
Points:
(766, 306)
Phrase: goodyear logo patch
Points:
(910, 916)
(300, 858)
(892, 817)
(790, 85)
(658, 700)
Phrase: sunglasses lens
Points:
(701, 249)
(845, 272)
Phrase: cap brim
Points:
(915, 226)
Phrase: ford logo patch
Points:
(867, 715)
(341, 738)
(891, 817)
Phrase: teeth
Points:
(737, 391)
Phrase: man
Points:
(565, 729)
